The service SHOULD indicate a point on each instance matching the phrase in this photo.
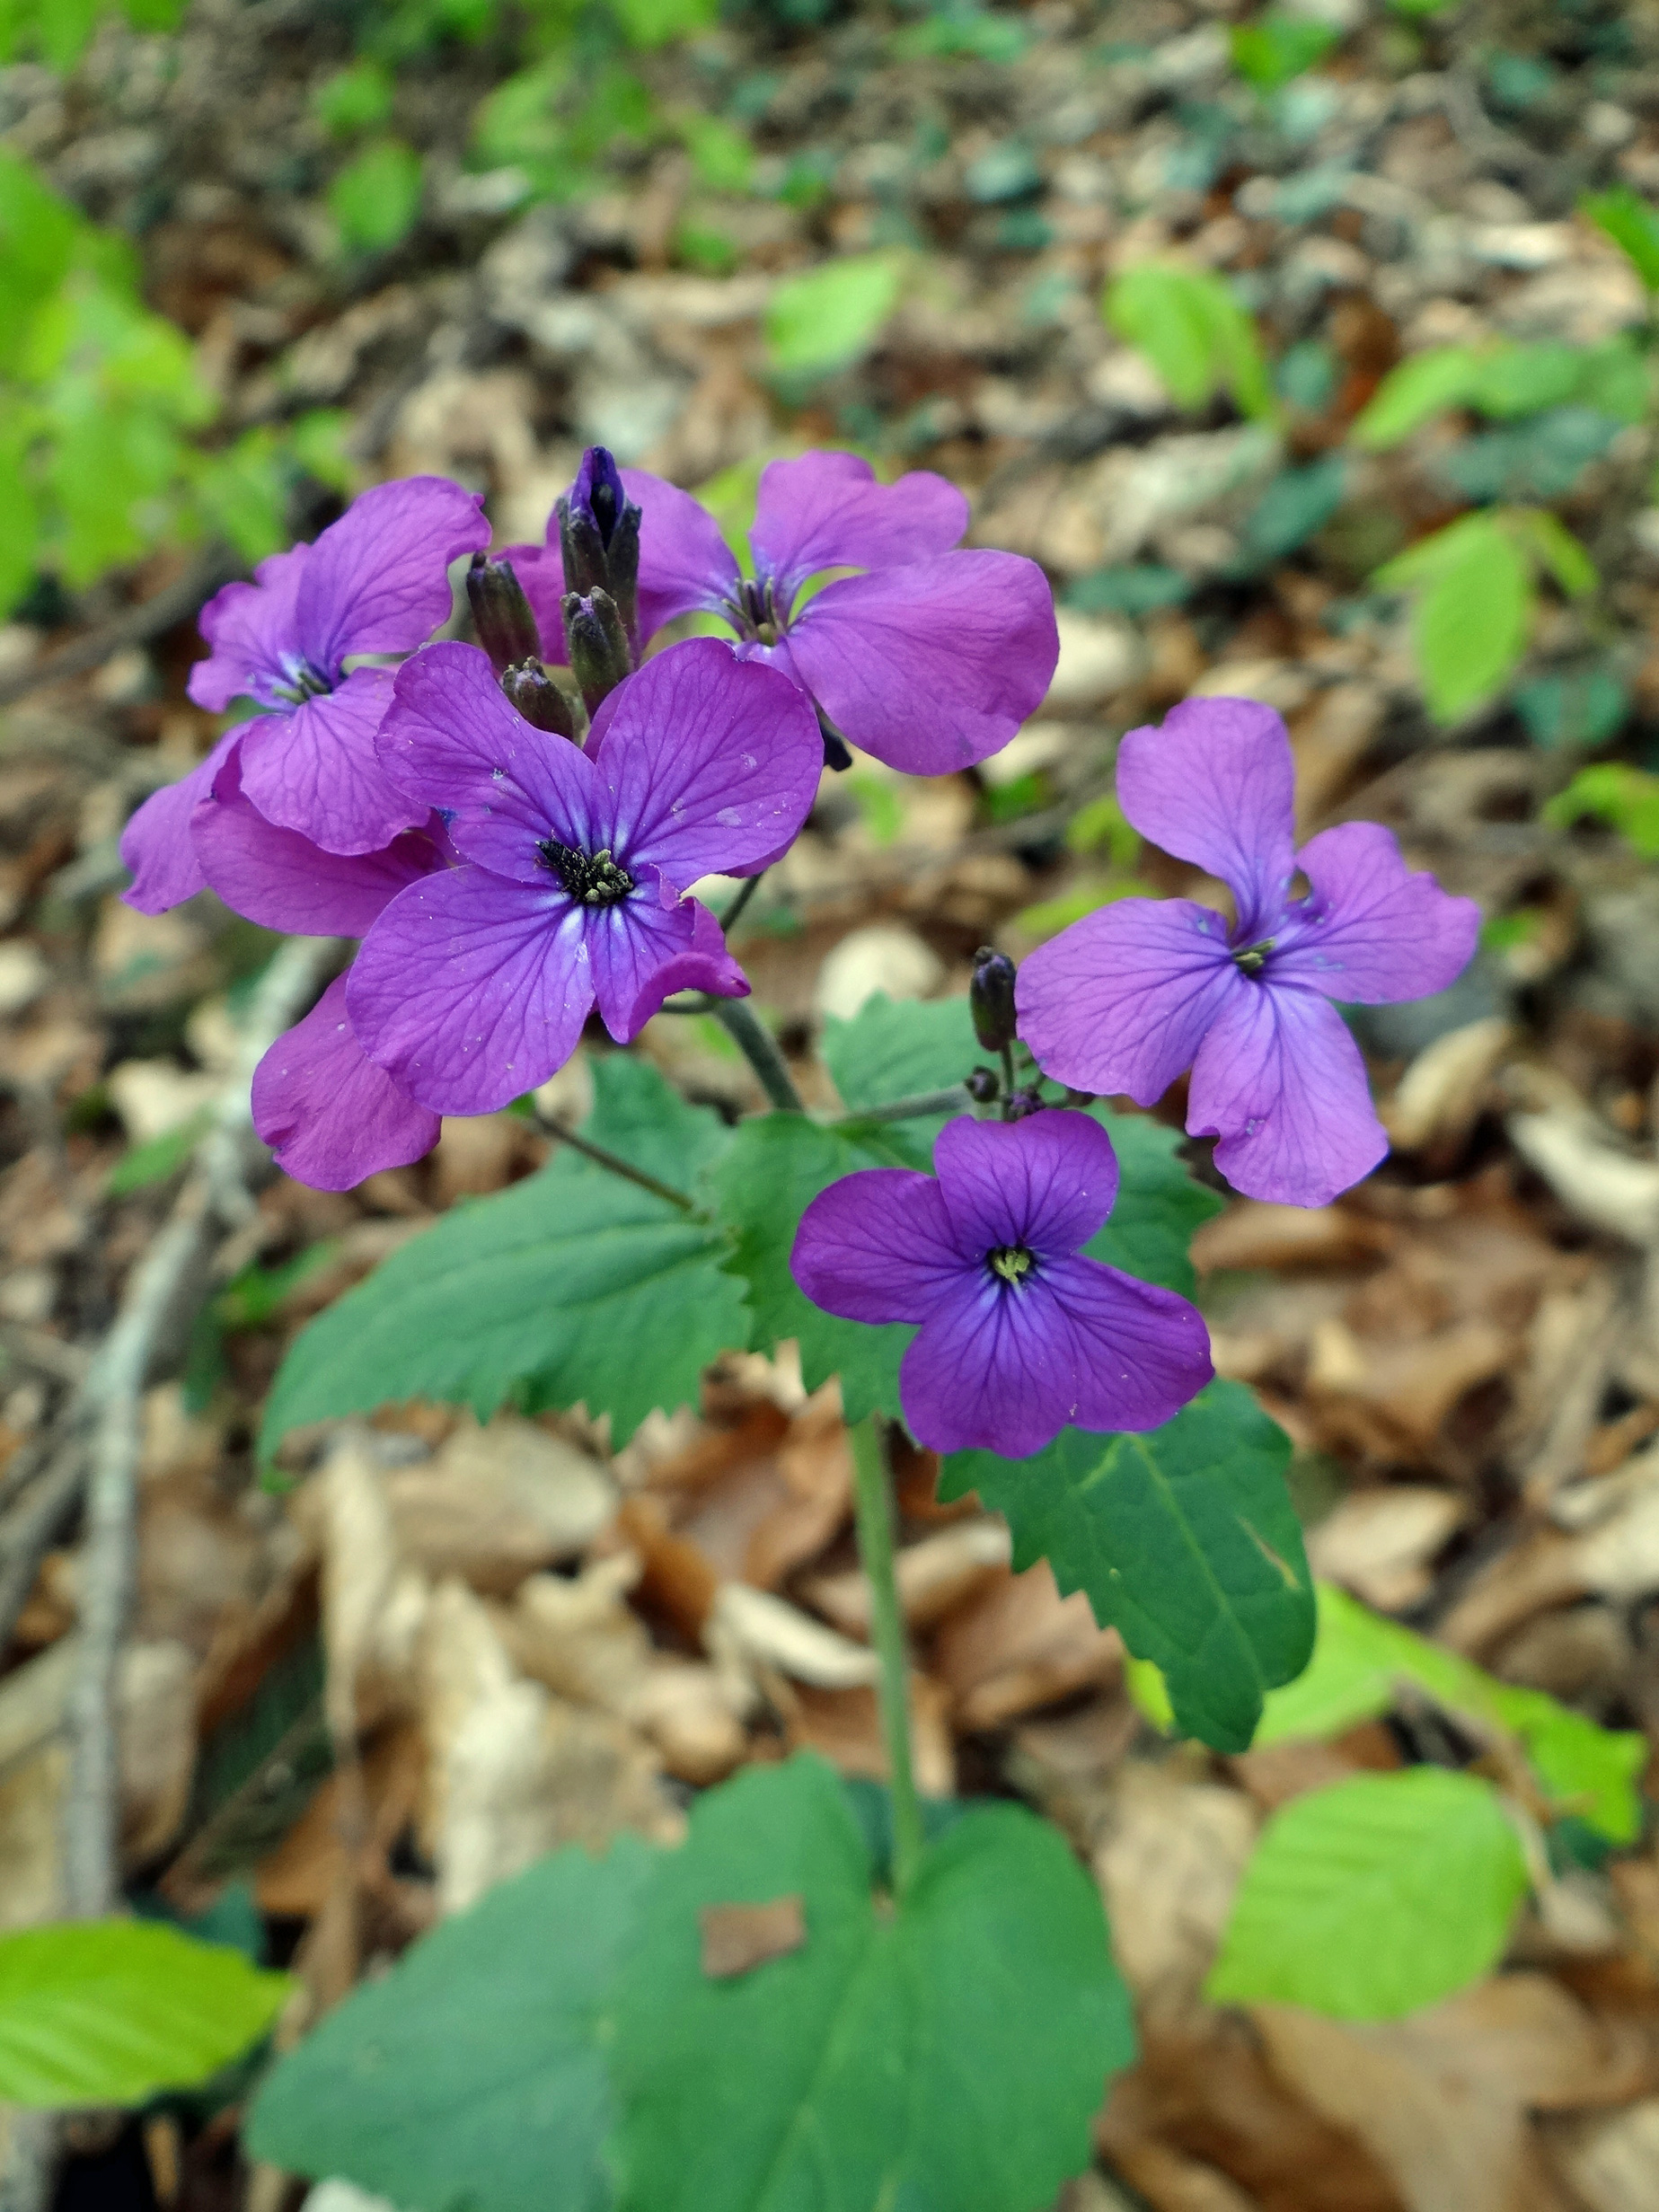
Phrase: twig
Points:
(29, 1529)
(216, 566)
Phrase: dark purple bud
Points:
(990, 998)
(1021, 1104)
(981, 1085)
(501, 614)
(599, 536)
(597, 642)
(597, 494)
(532, 692)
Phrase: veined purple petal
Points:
(282, 881)
(828, 511)
(156, 843)
(316, 770)
(706, 966)
(982, 1375)
(1135, 1354)
(329, 1115)
(451, 741)
(250, 627)
(1215, 785)
(469, 990)
(879, 1246)
(1371, 931)
(1121, 1001)
(377, 580)
(1281, 1083)
(707, 763)
(541, 570)
(628, 945)
(933, 666)
(1047, 1181)
(685, 564)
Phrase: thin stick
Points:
(613, 1164)
(146, 620)
(757, 1044)
(956, 1100)
(872, 1494)
(28, 1530)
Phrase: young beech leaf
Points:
(1632, 223)
(474, 2073)
(946, 2054)
(1474, 610)
(573, 1285)
(1423, 385)
(1184, 1540)
(110, 2012)
(831, 315)
(1375, 1896)
(1194, 332)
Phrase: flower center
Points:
(1251, 959)
(752, 613)
(1012, 1263)
(591, 879)
(303, 680)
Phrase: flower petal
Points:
(685, 564)
(705, 965)
(1136, 1353)
(1215, 785)
(1047, 1181)
(1121, 1001)
(828, 511)
(629, 943)
(329, 1115)
(708, 762)
(877, 1246)
(1372, 930)
(377, 580)
(452, 741)
(933, 666)
(983, 1374)
(250, 627)
(316, 770)
(470, 990)
(1281, 1083)
(281, 880)
(157, 843)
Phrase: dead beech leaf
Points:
(1434, 1104)
(1253, 1234)
(1378, 1543)
(738, 1938)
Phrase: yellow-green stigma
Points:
(1251, 959)
(1011, 1261)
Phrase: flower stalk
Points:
(872, 1497)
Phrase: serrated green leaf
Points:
(1632, 225)
(110, 2012)
(900, 1048)
(1473, 614)
(1373, 1898)
(832, 314)
(1193, 332)
(1184, 1540)
(572, 1286)
(1423, 385)
(475, 2072)
(946, 2056)
(376, 199)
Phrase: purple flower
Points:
(930, 661)
(376, 581)
(1130, 996)
(329, 1115)
(473, 985)
(1021, 1334)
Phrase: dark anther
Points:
(1251, 959)
(591, 879)
(1011, 1261)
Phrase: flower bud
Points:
(597, 642)
(1021, 1104)
(990, 998)
(599, 536)
(981, 1085)
(533, 693)
(501, 614)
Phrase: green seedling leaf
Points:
(111, 2011)
(647, 23)
(376, 199)
(354, 100)
(1626, 798)
(572, 1286)
(1160, 1208)
(946, 2054)
(1373, 1898)
(475, 2072)
(831, 315)
(1554, 544)
(1474, 611)
(160, 1156)
(1195, 333)
(1424, 385)
(1185, 1540)
(1632, 225)
(1274, 49)
(722, 155)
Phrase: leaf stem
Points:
(613, 1164)
(928, 1102)
(754, 1041)
(872, 1494)
(734, 912)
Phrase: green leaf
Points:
(354, 100)
(1184, 1540)
(722, 155)
(832, 314)
(475, 2072)
(654, 22)
(374, 199)
(1573, 706)
(1632, 225)
(38, 234)
(1274, 49)
(1375, 1896)
(1626, 798)
(154, 1160)
(1525, 380)
(1473, 614)
(1423, 385)
(1160, 1208)
(899, 1048)
(1193, 332)
(573, 1285)
(1559, 550)
(109, 2011)
(948, 2055)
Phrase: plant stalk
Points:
(872, 1494)
(754, 1041)
(613, 1164)
(956, 1100)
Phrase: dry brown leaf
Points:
(1168, 1859)
(1018, 1645)
(496, 1503)
(1253, 1234)
(738, 1938)
(1610, 2162)
(1378, 1543)
(934, 1575)
(845, 1727)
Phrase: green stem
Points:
(734, 912)
(872, 1494)
(757, 1044)
(956, 1100)
(613, 1165)
(1007, 1077)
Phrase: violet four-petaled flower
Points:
(931, 660)
(473, 985)
(376, 581)
(1133, 994)
(1021, 1334)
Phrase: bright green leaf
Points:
(1373, 1898)
(722, 155)
(1474, 611)
(1632, 223)
(1558, 550)
(376, 199)
(1193, 332)
(1275, 47)
(832, 314)
(110, 2012)
(355, 99)
(1423, 385)
(899, 1048)
(1626, 798)
(1184, 1540)
(1525, 380)
(945, 2055)
(154, 1160)
(654, 22)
